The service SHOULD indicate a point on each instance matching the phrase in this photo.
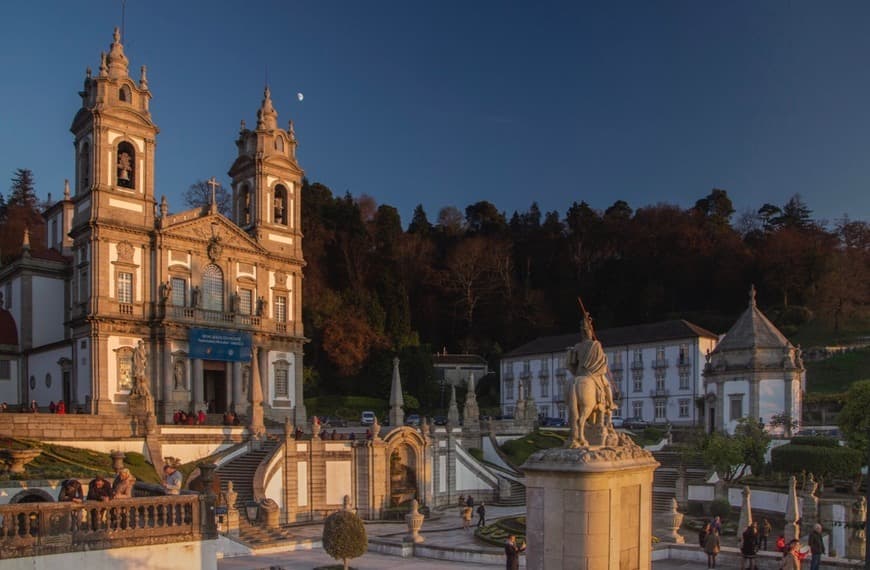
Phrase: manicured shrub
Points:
(821, 461)
(344, 536)
(815, 441)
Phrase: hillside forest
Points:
(483, 281)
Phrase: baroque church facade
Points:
(123, 278)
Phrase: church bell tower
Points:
(267, 183)
(114, 145)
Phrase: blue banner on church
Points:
(227, 346)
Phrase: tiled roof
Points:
(454, 359)
(752, 330)
(619, 336)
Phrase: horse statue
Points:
(590, 397)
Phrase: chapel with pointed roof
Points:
(754, 372)
(200, 291)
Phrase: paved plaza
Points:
(444, 531)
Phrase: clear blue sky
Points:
(450, 102)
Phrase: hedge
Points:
(815, 441)
(821, 461)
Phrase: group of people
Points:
(99, 489)
(33, 408)
(466, 510)
(231, 419)
(180, 417)
(754, 538)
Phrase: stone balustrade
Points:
(34, 529)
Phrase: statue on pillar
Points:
(590, 396)
(140, 402)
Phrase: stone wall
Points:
(68, 426)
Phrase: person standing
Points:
(481, 514)
(465, 512)
(171, 479)
(512, 553)
(749, 546)
(712, 547)
(817, 547)
(763, 533)
(790, 559)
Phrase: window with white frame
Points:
(637, 409)
(660, 382)
(616, 359)
(545, 387)
(684, 408)
(661, 408)
(637, 381)
(637, 360)
(660, 353)
(684, 354)
(509, 410)
(125, 287)
(736, 407)
(508, 389)
(527, 365)
(684, 380)
(281, 308)
(545, 411)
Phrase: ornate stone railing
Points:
(34, 529)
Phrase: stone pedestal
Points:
(590, 508)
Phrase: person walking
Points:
(481, 514)
(712, 547)
(817, 547)
(465, 513)
(512, 553)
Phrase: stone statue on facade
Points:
(179, 375)
(194, 296)
(261, 306)
(590, 397)
(165, 291)
(140, 363)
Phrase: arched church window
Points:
(124, 94)
(126, 166)
(279, 144)
(84, 166)
(244, 205)
(280, 205)
(213, 288)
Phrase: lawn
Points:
(518, 450)
(837, 373)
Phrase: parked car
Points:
(412, 420)
(553, 422)
(440, 420)
(367, 418)
(617, 422)
(635, 423)
(333, 421)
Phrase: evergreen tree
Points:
(419, 222)
(22, 192)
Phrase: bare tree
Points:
(199, 195)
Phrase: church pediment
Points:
(212, 228)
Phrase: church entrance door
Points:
(214, 380)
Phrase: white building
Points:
(754, 372)
(656, 371)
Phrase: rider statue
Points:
(590, 395)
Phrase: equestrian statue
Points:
(590, 397)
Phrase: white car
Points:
(367, 418)
(617, 422)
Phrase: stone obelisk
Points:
(589, 504)
(397, 401)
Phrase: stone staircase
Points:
(665, 477)
(241, 472)
(262, 537)
(517, 498)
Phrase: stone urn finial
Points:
(674, 520)
(18, 458)
(345, 503)
(415, 521)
